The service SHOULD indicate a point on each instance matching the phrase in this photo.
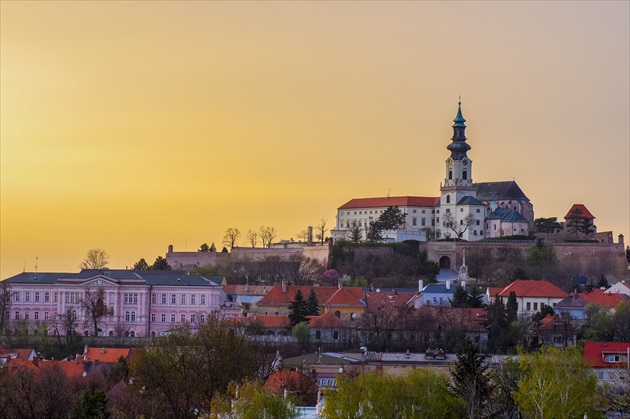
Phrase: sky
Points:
(132, 126)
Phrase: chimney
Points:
(420, 285)
(36, 361)
(621, 239)
(448, 285)
(284, 286)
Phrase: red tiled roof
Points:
(267, 321)
(291, 381)
(533, 288)
(594, 353)
(392, 201)
(327, 321)
(376, 300)
(604, 299)
(110, 355)
(493, 291)
(346, 296)
(275, 297)
(246, 289)
(585, 213)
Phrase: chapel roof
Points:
(581, 210)
(499, 191)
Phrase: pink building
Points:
(136, 303)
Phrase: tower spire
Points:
(458, 147)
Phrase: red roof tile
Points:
(376, 300)
(267, 321)
(595, 352)
(292, 381)
(110, 355)
(392, 201)
(346, 296)
(493, 291)
(533, 288)
(604, 299)
(275, 297)
(327, 321)
(585, 213)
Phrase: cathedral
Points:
(464, 210)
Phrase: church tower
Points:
(458, 196)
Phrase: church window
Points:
(464, 175)
(461, 222)
(478, 222)
(461, 210)
(450, 174)
(448, 199)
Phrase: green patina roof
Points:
(459, 119)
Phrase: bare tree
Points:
(267, 234)
(5, 303)
(95, 259)
(231, 237)
(321, 230)
(355, 231)
(252, 237)
(303, 236)
(450, 221)
(66, 323)
(93, 302)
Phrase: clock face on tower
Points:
(450, 162)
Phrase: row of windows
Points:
(27, 315)
(130, 316)
(191, 298)
(182, 318)
(37, 296)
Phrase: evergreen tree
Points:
(141, 265)
(160, 264)
(298, 309)
(512, 307)
(497, 324)
(460, 298)
(475, 298)
(312, 304)
(213, 247)
(471, 380)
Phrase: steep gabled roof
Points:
(595, 352)
(499, 191)
(346, 297)
(572, 301)
(583, 211)
(533, 288)
(276, 297)
(327, 321)
(392, 201)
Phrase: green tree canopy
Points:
(160, 264)
(471, 379)
(204, 248)
(312, 304)
(298, 309)
(556, 384)
(141, 265)
(423, 393)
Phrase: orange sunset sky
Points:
(130, 126)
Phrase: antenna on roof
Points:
(388, 191)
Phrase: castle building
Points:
(464, 210)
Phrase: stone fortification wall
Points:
(179, 260)
(589, 259)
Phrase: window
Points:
(448, 210)
(27, 315)
(414, 211)
(529, 306)
(17, 315)
(133, 316)
(613, 358)
(192, 299)
(450, 174)
(135, 298)
(448, 199)
(36, 315)
(172, 318)
(17, 297)
(600, 375)
(183, 318)
(37, 297)
(163, 298)
(127, 316)
(152, 317)
(27, 297)
(461, 210)
(464, 175)
(202, 318)
(558, 339)
(45, 315)
(203, 299)
(335, 334)
(47, 297)
(414, 221)
(423, 222)
(535, 306)
(173, 299)
(126, 299)
(163, 317)
(183, 299)
(56, 295)
(153, 298)
(318, 334)
(74, 314)
(478, 210)
(192, 318)
(478, 222)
